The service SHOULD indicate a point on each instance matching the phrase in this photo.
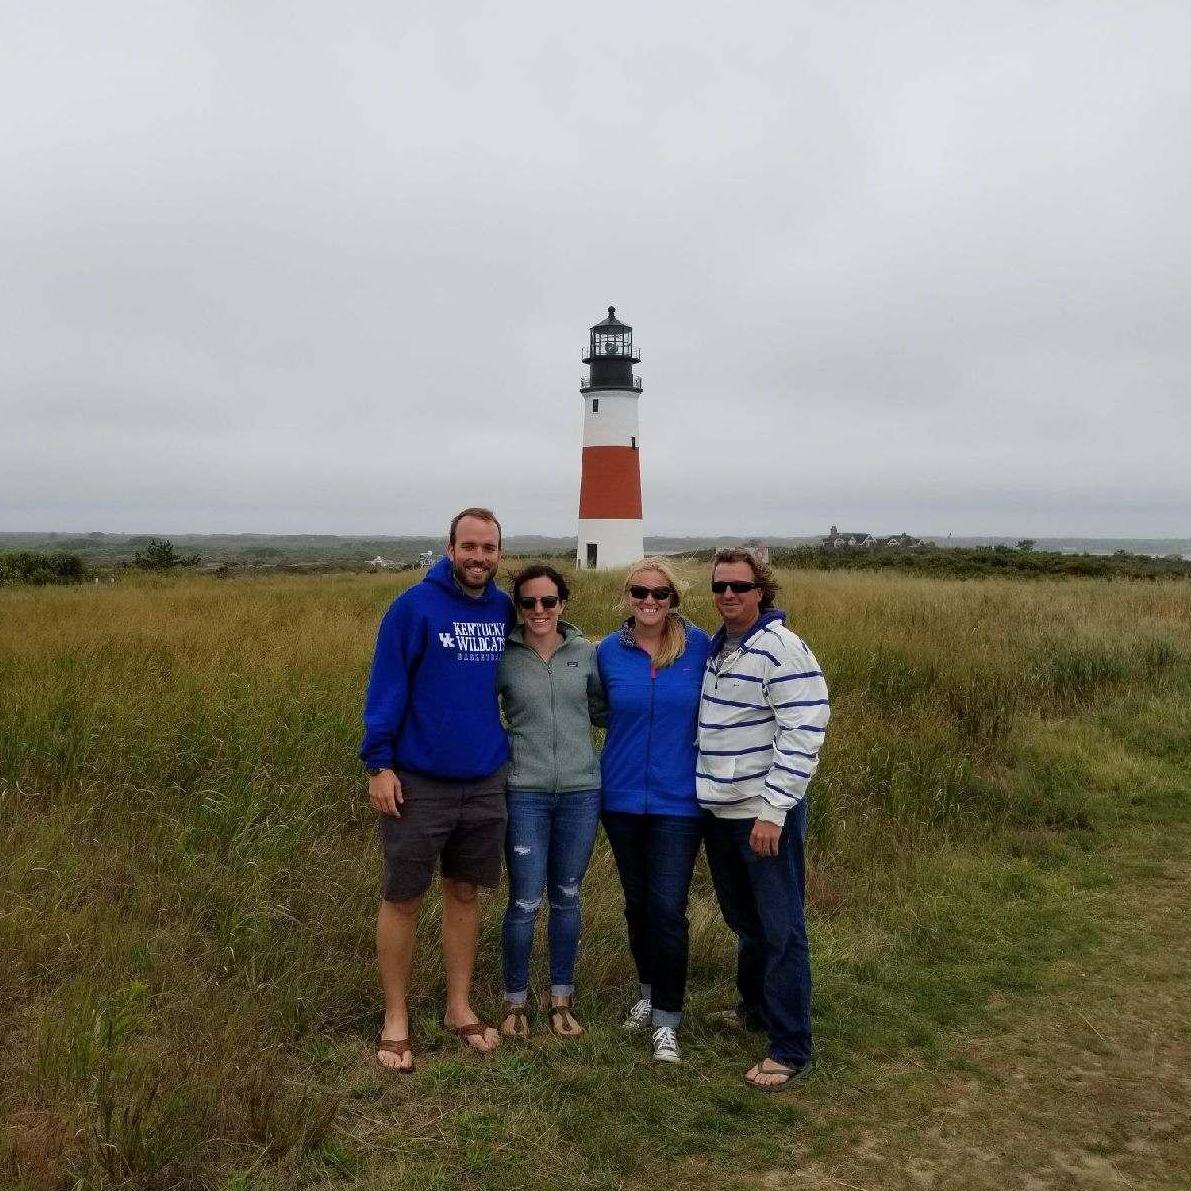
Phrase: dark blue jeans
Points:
(655, 856)
(547, 847)
(762, 901)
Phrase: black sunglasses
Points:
(661, 594)
(529, 602)
(735, 586)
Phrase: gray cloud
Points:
(300, 267)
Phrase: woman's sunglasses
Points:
(661, 594)
(530, 602)
(735, 586)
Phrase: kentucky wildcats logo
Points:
(475, 641)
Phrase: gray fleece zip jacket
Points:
(549, 709)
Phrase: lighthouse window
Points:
(634, 442)
(595, 405)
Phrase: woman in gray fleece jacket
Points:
(551, 694)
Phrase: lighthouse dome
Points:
(611, 321)
(611, 354)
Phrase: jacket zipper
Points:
(553, 712)
(553, 721)
(649, 735)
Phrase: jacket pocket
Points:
(718, 768)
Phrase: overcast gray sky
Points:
(297, 266)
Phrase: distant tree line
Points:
(40, 568)
(57, 567)
(971, 562)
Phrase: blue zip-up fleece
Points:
(431, 704)
(648, 762)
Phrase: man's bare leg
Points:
(460, 928)
(396, 924)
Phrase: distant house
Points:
(759, 550)
(426, 559)
(848, 541)
(381, 564)
(865, 541)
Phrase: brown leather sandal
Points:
(399, 1047)
(517, 1021)
(558, 1017)
(477, 1029)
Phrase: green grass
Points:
(190, 879)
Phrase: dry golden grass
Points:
(189, 882)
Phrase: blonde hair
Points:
(673, 641)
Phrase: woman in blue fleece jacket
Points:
(652, 670)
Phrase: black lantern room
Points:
(611, 356)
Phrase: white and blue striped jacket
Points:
(762, 718)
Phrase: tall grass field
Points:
(189, 877)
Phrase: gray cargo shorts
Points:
(460, 823)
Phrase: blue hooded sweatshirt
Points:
(648, 762)
(431, 704)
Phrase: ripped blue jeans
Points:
(547, 848)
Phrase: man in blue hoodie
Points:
(436, 755)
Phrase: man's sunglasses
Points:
(661, 594)
(735, 586)
(530, 602)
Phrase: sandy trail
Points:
(1087, 1086)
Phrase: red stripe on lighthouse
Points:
(611, 484)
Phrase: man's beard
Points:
(463, 581)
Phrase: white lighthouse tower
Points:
(611, 531)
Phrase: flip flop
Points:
(768, 1066)
(476, 1029)
(399, 1047)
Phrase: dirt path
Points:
(1087, 1086)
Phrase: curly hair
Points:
(762, 571)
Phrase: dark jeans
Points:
(762, 901)
(547, 848)
(655, 856)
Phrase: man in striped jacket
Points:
(762, 718)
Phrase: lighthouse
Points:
(611, 531)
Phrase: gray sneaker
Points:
(639, 1016)
(665, 1045)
